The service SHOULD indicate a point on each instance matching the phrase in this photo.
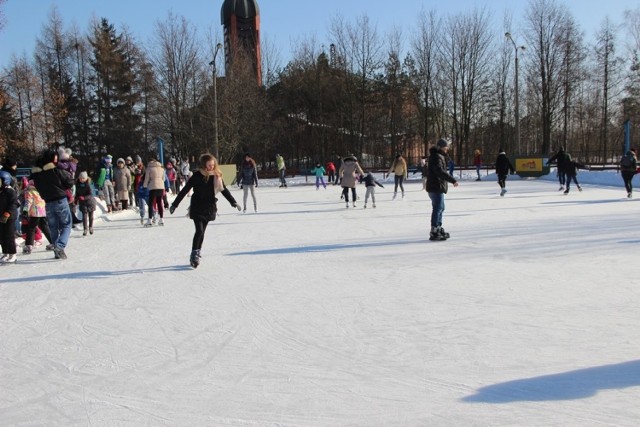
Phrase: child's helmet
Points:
(5, 177)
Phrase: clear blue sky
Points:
(282, 21)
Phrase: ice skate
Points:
(579, 188)
(502, 192)
(9, 259)
(438, 233)
(194, 260)
(27, 249)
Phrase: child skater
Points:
(370, 182)
(86, 201)
(319, 172)
(8, 207)
(35, 211)
(206, 183)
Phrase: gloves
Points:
(5, 217)
(172, 209)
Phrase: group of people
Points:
(48, 202)
(48, 199)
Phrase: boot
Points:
(85, 232)
(10, 259)
(27, 249)
(437, 234)
(194, 259)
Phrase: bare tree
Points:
(176, 59)
(608, 68)
(426, 50)
(466, 49)
(545, 24)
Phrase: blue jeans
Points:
(437, 208)
(59, 218)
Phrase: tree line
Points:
(360, 92)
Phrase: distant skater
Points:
(562, 159)
(571, 169)
(347, 176)
(399, 170)
(503, 169)
(319, 172)
(249, 181)
(370, 183)
(628, 166)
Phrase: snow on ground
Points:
(310, 314)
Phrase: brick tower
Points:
(241, 22)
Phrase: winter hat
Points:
(120, 160)
(443, 143)
(108, 158)
(83, 175)
(48, 156)
(129, 159)
(62, 154)
(138, 159)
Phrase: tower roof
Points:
(240, 8)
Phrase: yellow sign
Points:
(228, 173)
(529, 165)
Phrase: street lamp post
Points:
(215, 101)
(517, 112)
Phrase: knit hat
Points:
(120, 160)
(108, 158)
(62, 154)
(83, 175)
(443, 143)
(129, 159)
(138, 159)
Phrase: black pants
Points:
(502, 180)
(345, 193)
(8, 236)
(628, 177)
(31, 229)
(198, 237)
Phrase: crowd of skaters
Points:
(48, 203)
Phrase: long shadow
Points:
(571, 385)
(84, 275)
(325, 248)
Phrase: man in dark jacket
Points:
(437, 186)
(503, 168)
(562, 158)
(52, 183)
